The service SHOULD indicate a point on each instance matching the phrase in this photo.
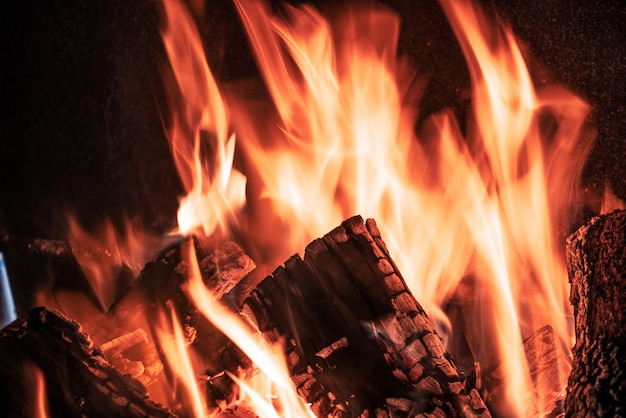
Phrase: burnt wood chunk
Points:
(77, 380)
(160, 288)
(160, 282)
(357, 341)
(597, 272)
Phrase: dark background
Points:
(82, 96)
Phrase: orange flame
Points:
(103, 254)
(213, 195)
(266, 391)
(269, 360)
(339, 140)
(37, 379)
(513, 226)
(175, 349)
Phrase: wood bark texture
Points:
(597, 273)
(357, 341)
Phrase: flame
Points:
(103, 254)
(179, 358)
(41, 410)
(269, 360)
(215, 193)
(266, 390)
(513, 226)
(337, 138)
(36, 378)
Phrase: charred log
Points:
(597, 273)
(78, 380)
(160, 282)
(131, 321)
(357, 341)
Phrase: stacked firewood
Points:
(357, 343)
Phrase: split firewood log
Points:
(76, 380)
(596, 266)
(357, 341)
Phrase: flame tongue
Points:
(343, 145)
(103, 254)
(513, 227)
(215, 190)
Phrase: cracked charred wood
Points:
(597, 272)
(76, 379)
(133, 353)
(160, 282)
(159, 289)
(357, 341)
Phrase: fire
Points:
(39, 407)
(269, 360)
(180, 360)
(266, 390)
(104, 253)
(215, 190)
(336, 137)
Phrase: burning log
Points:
(357, 342)
(144, 364)
(77, 379)
(124, 337)
(597, 273)
(159, 283)
(129, 326)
